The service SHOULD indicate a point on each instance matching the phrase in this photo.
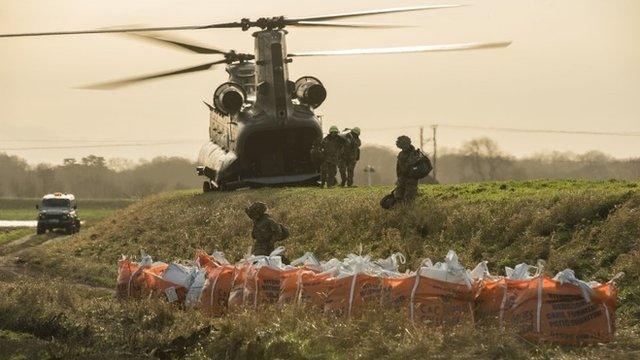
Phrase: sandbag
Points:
(130, 282)
(162, 288)
(236, 292)
(262, 285)
(215, 294)
(549, 310)
(441, 293)
(430, 300)
(305, 287)
(500, 293)
(348, 294)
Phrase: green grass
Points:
(11, 234)
(88, 210)
(592, 227)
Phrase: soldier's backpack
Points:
(421, 165)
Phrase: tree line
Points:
(95, 177)
(481, 159)
(477, 160)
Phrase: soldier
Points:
(330, 146)
(406, 186)
(266, 231)
(316, 156)
(349, 156)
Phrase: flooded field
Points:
(18, 223)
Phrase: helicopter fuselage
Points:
(268, 140)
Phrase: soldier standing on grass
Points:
(331, 146)
(266, 231)
(349, 156)
(407, 185)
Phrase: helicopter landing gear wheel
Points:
(206, 186)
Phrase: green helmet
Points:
(356, 130)
(333, 129)
(403, 141)
(256, 210)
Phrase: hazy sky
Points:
(574, 65)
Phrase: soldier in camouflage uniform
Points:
(406, 186)
(330, 145)
(316, 156)
(349, 156)
(266, 231)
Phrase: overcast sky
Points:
(573, 65)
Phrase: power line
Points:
(98, 146)
(521, 130)
(545, 131)
(50, 140)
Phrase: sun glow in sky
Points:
(573, 65)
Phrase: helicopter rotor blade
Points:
(124, 82)
(245, 23)
(405, 49)
(349, 25)
(178, 43)
(294, 21)
(126, 30)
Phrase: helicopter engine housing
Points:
(309, 90)
(229, 98)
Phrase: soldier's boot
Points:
(350, 170)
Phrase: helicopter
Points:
(263, 125)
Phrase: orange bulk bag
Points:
(205, 260)
(215, 293)
(497, 295)
(131, 280)
(262, 285)
(236, 293)
(350, 293)
(548, 310)
(163, 288)
(431, 300)
(305, 287)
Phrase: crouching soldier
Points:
(266, 231)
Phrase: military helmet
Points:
(333, 129)
(256, 209)
(403, 140)
(356, 130)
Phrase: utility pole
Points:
(369, 169)
(421, 138)
(435, 149)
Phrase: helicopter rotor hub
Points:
(265, 23)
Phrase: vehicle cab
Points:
(58, 211)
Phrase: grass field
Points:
(10, 234)
(88, 210)
(591, 227)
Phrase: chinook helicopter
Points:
(262, 125)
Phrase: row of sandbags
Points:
(562, 309)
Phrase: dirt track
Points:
(12, 265)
